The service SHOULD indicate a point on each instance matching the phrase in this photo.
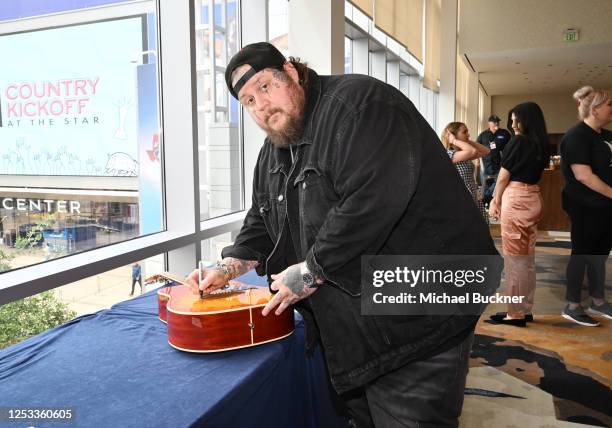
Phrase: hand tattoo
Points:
(293, 279)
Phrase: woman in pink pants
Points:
(518, 204)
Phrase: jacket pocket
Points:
(398, 330)
(311, 177)
(267, 215)
(316, 196)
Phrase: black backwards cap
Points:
(259, 56)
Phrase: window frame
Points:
(177, 82)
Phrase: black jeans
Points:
(139, 279)
(424, 393)
(489, 188)
(591, 244)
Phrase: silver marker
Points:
(200, 279)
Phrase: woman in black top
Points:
(518, 204)
(586, 162)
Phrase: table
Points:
(115, 368)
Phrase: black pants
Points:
(591, 244)
(488, 188)
(139, 279)
(427, 393)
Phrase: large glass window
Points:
(212, 247)
(348, 55)
(26, 317)
(22, 9)
(105, 289)
(81, 148)
(278, 25)
(219, 146)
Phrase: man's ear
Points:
(291, 71)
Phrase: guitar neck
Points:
(172, 277)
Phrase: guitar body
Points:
(221, 321)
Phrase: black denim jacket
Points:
(369, 176)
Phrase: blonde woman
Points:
(586, 162)
(462, 151)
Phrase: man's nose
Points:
(261, 102)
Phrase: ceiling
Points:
(518, 46)
(542, 70)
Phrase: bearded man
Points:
(349, 167)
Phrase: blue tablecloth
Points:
(115, 368)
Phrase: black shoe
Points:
(579, 316)
(517, 322)
(501, 315)
(604, 310)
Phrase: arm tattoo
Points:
(236, 267)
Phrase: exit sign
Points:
(571, 35)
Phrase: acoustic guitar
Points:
(223, 320)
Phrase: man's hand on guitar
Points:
(218, 276)
(291, 289)
(212, 279)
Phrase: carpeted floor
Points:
(553, 373)
(523, 372)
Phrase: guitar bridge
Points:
(227, 291)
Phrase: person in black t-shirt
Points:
(518, 204)
(495, 139)
(586, 162)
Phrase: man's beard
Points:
(294, 126)
(290, 133)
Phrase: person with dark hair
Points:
(462, 151)
(586, 162)
(518, 204)
(349, 167)
(495, 139)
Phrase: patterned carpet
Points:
(549, 377)
(553, 373)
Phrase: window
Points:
(82, 151)
(19, 10)
(212, 247)
(371, 51)
(35, 314)
(103, 290)
(278, 25)
(219, 142)
(348, 55)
